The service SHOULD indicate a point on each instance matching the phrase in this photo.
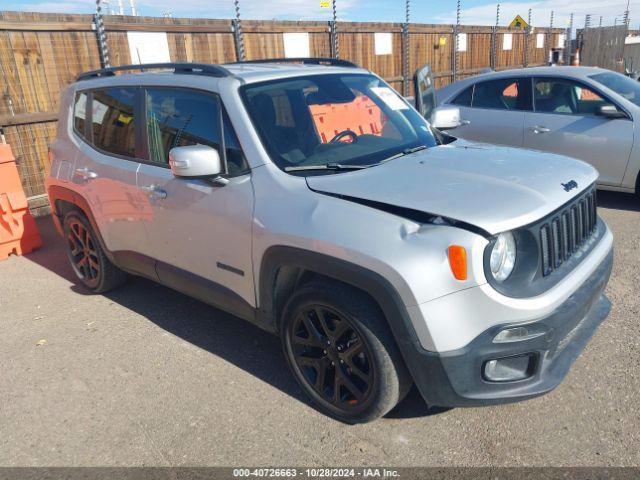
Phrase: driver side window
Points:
(557, 95)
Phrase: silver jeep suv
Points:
(313, 201)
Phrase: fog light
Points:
(509, 369)
(519, 334)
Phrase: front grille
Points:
(566, 231)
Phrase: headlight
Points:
(503, 256)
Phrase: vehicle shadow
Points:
(618, 201)
(236, 341)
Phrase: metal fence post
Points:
(549, 39)
(456, 31)
(494, 40)
(567, 41)
(102, 38)
(333, 31)
(237, 34)
(527, 34)
(405, 50)
(580, 41)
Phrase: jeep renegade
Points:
(314, 201)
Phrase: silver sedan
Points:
(583, 112)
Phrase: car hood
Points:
(492, 188)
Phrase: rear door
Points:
(106, 167)
(199, 231)
(492, 111)
(565, 122)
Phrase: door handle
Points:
(464, 122)
(154, 192)
(85, 174)
(540, 129)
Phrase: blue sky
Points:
(425, 11)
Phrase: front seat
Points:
(281, 139)
(561, 100)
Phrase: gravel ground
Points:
(147, 376)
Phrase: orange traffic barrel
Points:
(18, 231)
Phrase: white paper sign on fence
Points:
(507, 41)
(561, 39)
(462, 42)
(148, 47)
(540, 40)
(296, 44)
(383, 43)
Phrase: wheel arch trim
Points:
(57, 194)
(373, 284)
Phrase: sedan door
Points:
(565, 121)
(493, 111)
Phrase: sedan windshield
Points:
(333, 122)
(622, 85)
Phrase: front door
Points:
(200, 230)
(565, 121)
(425, 92)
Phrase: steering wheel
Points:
(343, 134)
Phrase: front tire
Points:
(86, 256)
(339, 347)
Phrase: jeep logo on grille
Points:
(570, 185)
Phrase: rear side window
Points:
(181, 117)
(464, 99)
(113, 122)
(503, 94)
(80, 113)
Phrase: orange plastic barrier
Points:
(18, 231)
(361, 116)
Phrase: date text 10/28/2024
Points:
(316, 472)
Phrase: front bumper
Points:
(455, 378)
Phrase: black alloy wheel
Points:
(83, 254)
(332, 356)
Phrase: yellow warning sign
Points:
(442, 41)
(518, 22)
(325, 3)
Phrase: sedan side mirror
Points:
(195, 161)
(610, 111)
(446, 118)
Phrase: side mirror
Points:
(610, 111)
(195, 161)
(446, 118)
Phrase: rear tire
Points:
(88, 260)
(342, 353)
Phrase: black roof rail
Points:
(335, 62)
(190, 68)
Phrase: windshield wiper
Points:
(406, 151)
(339, 166)
(326, 166)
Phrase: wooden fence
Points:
(42, 53)
(603, 46)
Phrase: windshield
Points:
(344, 120)
(622, 85)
